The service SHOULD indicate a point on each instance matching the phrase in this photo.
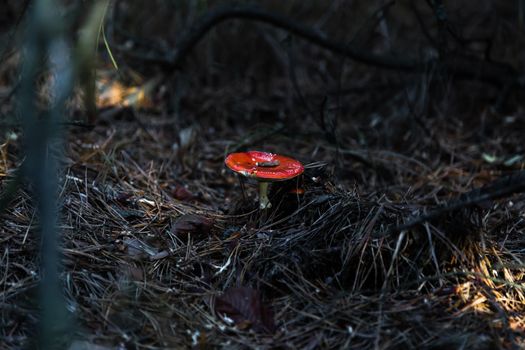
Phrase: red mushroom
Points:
(265, 168)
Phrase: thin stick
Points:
(498, 189)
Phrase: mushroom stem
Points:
(264, 202)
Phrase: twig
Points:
(498, 189)
(459, 66)
(73, 124)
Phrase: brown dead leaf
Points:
(193, 224)
(182, 194)
(138, 249)
(244, 306)
(114, 93)
(123, 197)
(133, 272)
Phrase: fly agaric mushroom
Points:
(265, 168)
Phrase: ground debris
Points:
(162, 247)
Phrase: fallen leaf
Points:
(182, 194)
(132, 247)
(160, 255)
(244, 306)
(114, 93)
(191, 224)
(138, 249)
(133, 272)
(123, 197)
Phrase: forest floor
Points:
(164, 247)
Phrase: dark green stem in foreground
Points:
(45, 47)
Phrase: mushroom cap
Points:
(264, 166)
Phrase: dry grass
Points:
(155, 228)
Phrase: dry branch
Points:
(460, 67)
(497, 189)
